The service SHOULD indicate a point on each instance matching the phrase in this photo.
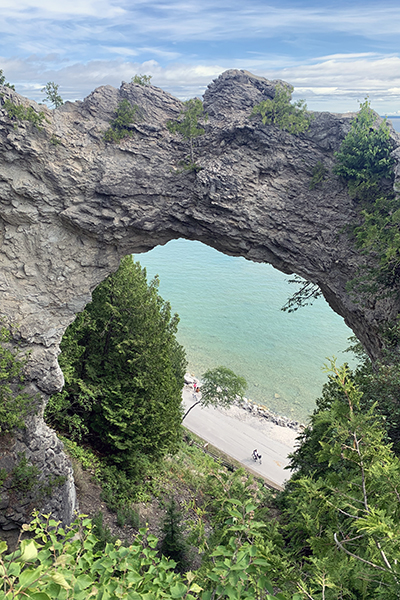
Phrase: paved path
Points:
(237, 433)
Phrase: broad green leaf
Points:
(29, 552)
(82, 582)
(28, 576)
(60, 579)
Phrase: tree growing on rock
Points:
(220, 387)
(52, 95)
(189, 126)
(124, 372)
(4, 82)
(279, 111)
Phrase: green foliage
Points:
(55, 140)
(120, 126)
(4, 82)
(123, 372)
(342, 508)
(64, 563)
(19, 112)
(25, 479)
(86, 456)
(24, 476)
(173, 544)
(102, 533)
(279, 111)
(15, 405)
(319, 173)
(364, 159)
(128, 516)
(142, 79)
(188, 126)
(220, 387)
(366, 164)
(52, 95)
(307, 293)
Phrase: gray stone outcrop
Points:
(72, 205)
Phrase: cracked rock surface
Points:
(71, 205)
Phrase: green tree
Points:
(173, 544)
(306, 294)
(14, 403)
(220, 387)
(279, 111)
(366, 164)
(142, 79)
(124, 372)
(364, 160)
(189, 127)
(52, 95)
(4, 82)
(343, 515)
(120, 126)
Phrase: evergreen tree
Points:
(188, 126)
(342, 511)
(4, 82)
(124, 372)
(173, 545)
(52, 94)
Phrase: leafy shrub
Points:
(15, 405)
(278, 111)
(102, 533)
(128, 516)
(142, 79)
(318, 175)
(64, 563)
(4, 82)
(19, 112)
(52, 94)
(24, 476)
(120, 126)
(365, 163)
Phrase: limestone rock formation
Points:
(71, 205)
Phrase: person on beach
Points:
(257, 456)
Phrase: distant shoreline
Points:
(256, 410)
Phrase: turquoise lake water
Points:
(230, 315)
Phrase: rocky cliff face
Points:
(72, 205)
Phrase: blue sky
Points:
(333, 53)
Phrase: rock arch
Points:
(72, 206)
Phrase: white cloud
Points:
(336, 84)
(51, 9)
(193, 20)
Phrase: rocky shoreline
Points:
(256, 410)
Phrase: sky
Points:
(335, 54)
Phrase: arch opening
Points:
(230, 314)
